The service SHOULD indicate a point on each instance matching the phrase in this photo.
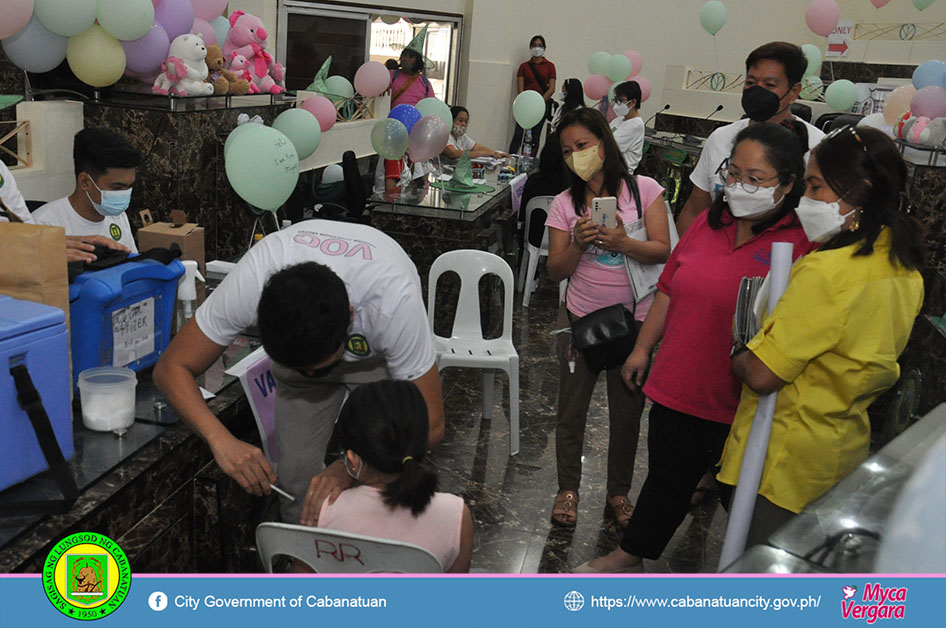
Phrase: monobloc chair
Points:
(466, 346)
(332, 551)
(532, 253)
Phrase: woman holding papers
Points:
(591, 257)
(691, 385)
(830, 347)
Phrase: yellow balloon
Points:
(898, 103)
(95, 57)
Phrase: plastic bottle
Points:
(527, 143)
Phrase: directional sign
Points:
(839, 40)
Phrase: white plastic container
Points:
(108, 398)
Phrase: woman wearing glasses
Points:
(830, 346)
(691, 384)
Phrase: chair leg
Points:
(530, 279)
(513, 406)
(489, 383)
(523, 268)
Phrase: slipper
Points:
(565, 509)
(620, 509)
(702, 494)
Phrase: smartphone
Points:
(604, 212)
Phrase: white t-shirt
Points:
(11, 195)
(464, 142)
(629, 134)
(383, 289)
(718, 146)
(409, 172)
(60, 213)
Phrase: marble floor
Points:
(511, 497)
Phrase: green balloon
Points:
(234, 133)
(302, 128)
(811, 87)
(528, 108)
(339, 86)
(922, 4)
(435, 107)
(841, 95)
(125, 19)
(65, 17)
(713, 16)
(813, 54)
(598, 62)
(262, 166)
(389, 138)
(619, 67)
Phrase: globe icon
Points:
(574, 601)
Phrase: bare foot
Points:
(617, 561)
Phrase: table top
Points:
(420, 198)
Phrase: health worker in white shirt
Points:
(459, 141)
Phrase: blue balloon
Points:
(408, 115)
(932, 72)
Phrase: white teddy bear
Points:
(184, 71)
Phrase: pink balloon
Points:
(207, 9)
(14, 16)
(176, 16)
(637, 62)
(145, 54)
(822, 16)
(323, 109)
(596, 86)
(879, 3)
(645, 87)
(428, 137)
(371, 79)
(929, 102)
(156, 3)
(203, 28)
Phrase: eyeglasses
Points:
(844, 130)
(618, 101)
(750, 184)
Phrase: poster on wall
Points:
(839, 41)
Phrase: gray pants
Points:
(306, 411)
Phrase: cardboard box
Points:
(187, 235)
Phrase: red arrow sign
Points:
(840, 48)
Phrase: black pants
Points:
(680, 448)
(515, 146)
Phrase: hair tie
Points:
(406, 458)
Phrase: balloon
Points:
(34, 48)
(822, 17)
(147, 53)
(14, 16)
(221, 26)
(428, 138)
(598, 62)
(389, 138)
(898, 103)
(408, 115)
(323, 109)
(208, 9)
(262, 166)
(637, 62)
(922, 4)
(302, 128)
(713, 16)
(529, 108)
(879, 3)
(929, 102)
(95, 57)
(125, 19)
(619, 67)
(841, 95)
(596, 86)
(205, 30)
(390, 20)
(66, 17)
(932, 72)
(233, 135)
(811, 86)
(372, 78)
(645, 87)
(813, 54)
(874, 121)
(435, 107)
(339, 86)
(176, 16)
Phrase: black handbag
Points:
(605, 337)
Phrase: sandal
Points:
(705, 490)
(565, 509)
(620, 509)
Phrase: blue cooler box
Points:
(35, 335)
(121, 316)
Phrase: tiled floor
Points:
(511, 497)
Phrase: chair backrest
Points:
(538, 202)
(332, 551)
(471, 265)
(516, 186)
(842, 120)
(355, 192)
(801, 111)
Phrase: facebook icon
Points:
(158, 601)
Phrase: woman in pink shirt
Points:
(691, 384)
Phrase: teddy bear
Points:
(934, 134)
(184, 71)
(224, 82)
(239, 66)
(247, 37)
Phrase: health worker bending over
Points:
(337, 305)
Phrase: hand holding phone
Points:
(604, 212)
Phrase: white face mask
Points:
(621, 109)
(458, 131)
(352, 474)
(745, 205)
(820, 220)
(537, 51)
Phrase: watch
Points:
(737, 348)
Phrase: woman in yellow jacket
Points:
(830, 346)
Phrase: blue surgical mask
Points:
(114, 202)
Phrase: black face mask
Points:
(760, 104)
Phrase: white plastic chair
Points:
(332, 551)
(531, 254)
(466, 346)
(516, 186)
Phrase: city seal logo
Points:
(115, 231)
(86, 576)
(358, 345)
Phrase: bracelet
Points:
(737, 348)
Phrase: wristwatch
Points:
(737, 348)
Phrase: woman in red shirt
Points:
(537, 74)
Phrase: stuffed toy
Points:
(247, 37)
(239, 65)
(184, 71)
(934, 134)
(902, 126)
(223, 81)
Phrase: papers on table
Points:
(489, 161)
(449, 177)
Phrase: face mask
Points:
(585, 163)
(114, 202)
(355, 475)
(820, 220)
(537, 51)
(458, 131)
(759, 103)
(621, 109)
(745, 205)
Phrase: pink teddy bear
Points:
(239, 65)
(247, 37)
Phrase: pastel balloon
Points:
(95, 57)
(323, 109)
(176, 16)
(713, 16)
(428, 137)
(811, 86)
(233, 135)
(408, 115)
(221, 26)
(596, 86)
(529, 108)
(390, 20)
(34, 48)
(813, 54)
(339, 86)
(372, 78)
(878, 4)
(65, 17)
(922, 4)
(822, 17)
(645, 87)
(125, 19)
(203, 28)
(637, 62)
(208, 9)
(929, 102)
(147, 53)
(598, 62)
(898, 103)
(262, 166)
(389, 138)
(302, 128)
(435, 107)
(841, 95)
(14, 16)
(932, 72)
(619, 67)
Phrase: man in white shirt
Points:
(628, 126)
(105, 166)
(337, 305)
(11, 197)
(773, 81)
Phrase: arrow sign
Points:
(838, 49)
(839, 40)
